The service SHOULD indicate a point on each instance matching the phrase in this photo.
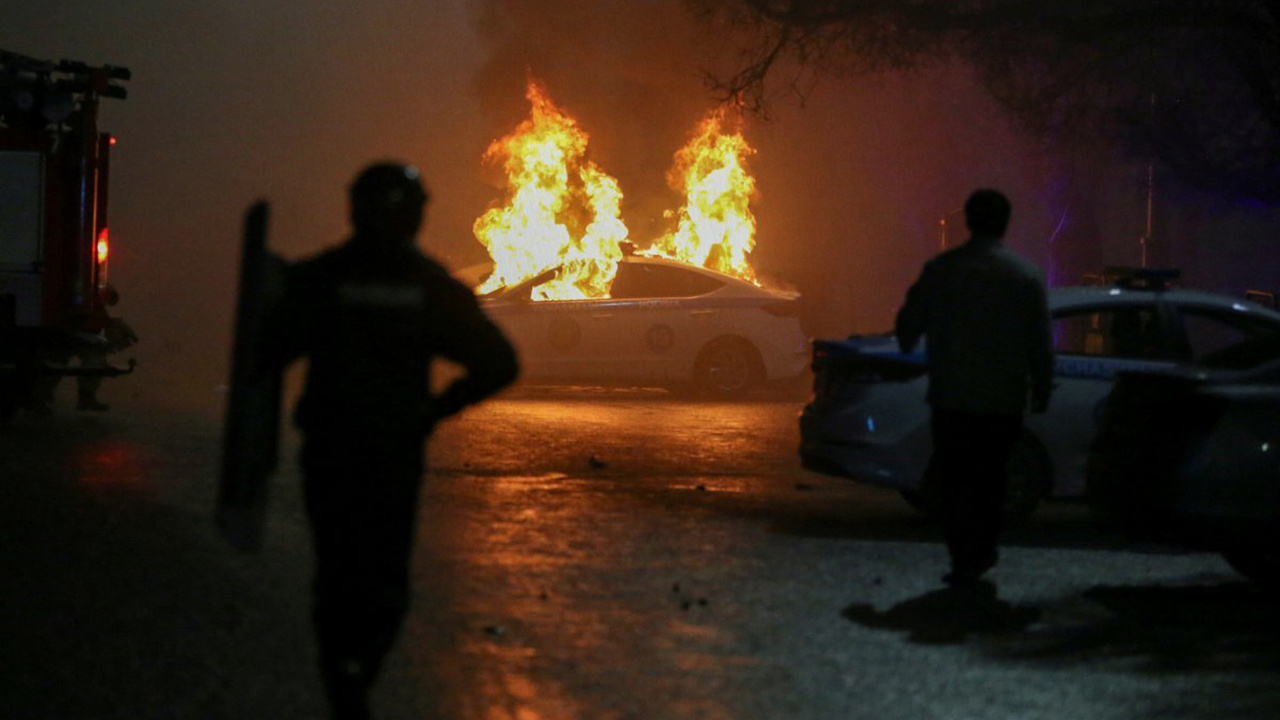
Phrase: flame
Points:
(716, 228)
(561, 209)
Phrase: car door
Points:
(650, 328)
(558, 340)
(1092, 344)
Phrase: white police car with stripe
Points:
(667, 324)
(868, 419)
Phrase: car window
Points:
(639, 280)
(1229, 340)
(1124, 332)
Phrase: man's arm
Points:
(913, 318)
(474, 342)
(1041, 350)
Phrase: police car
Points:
(665, 324)
(868, 419)
(1192, 456)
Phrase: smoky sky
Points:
(234, 100)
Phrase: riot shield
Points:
(251, 431)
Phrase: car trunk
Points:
(844, 369)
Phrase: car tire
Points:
(1029, 483)
(727, 368)
(1260, 565)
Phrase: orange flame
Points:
(561, 209)
(716, 228)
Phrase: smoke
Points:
(851, 185)
(627, 71)
(233, 100)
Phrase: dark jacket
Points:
(370, 318)
(985, 315)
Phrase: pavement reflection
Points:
(554, 594)
(670, 578)
(108, 461)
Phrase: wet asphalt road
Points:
(597, 555)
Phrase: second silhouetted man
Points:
(984, 313)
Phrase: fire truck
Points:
(54, 238)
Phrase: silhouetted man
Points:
(370, 315)
(984, 312)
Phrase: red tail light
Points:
(103, 246)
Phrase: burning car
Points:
(585, 306)
(663, 323)
(868, 419)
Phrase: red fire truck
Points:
(54, 241)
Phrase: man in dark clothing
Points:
(984, 311)
(370, 315)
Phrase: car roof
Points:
(732, 285)
(1064, 298)
(735, 284)
(668, 262)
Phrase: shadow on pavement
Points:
(1227, 636)
(947, 616)
(1061, 526)
(1229, 627)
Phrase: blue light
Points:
(871, 424)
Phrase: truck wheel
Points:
(728, 368)
(1029, 483)
(1262, 566)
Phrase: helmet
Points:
(387, 199)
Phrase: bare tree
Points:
(1191, 84)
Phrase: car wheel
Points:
(728, 367)
(1260, 565)
(1029, 483)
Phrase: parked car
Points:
(868, 419)
(1192, 456)
(666, 324)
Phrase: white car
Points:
(868, 419)
(665, 324)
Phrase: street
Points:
(596, 555)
